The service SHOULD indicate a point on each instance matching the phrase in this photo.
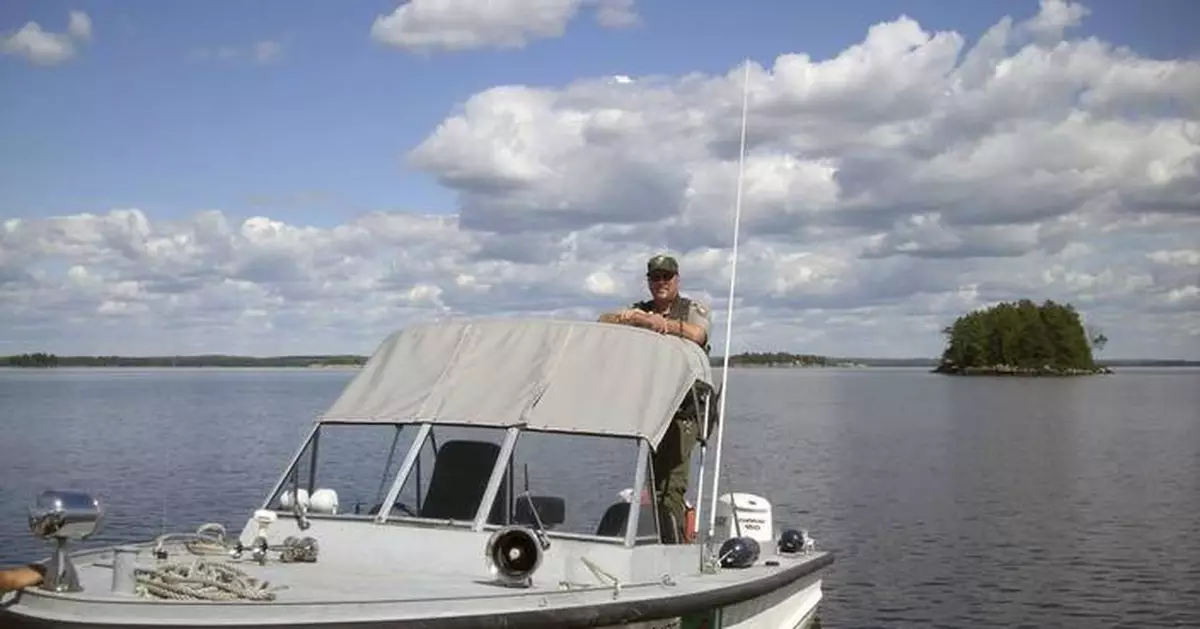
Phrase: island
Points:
(1021, 338)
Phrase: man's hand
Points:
(612, 317)
(656, 322)
(650, 321)
(621, 316)
(20, 577)
(637, 318)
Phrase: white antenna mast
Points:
(737, 219)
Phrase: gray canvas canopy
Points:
(544, 374)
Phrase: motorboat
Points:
(516, 460)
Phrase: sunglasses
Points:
(660, 277)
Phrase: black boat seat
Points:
(612, 524)
(551, 511)
(459, 480)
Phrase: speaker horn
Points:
(513, 554)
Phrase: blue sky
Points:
(137, 121)
(171, 176)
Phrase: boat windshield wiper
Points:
(537, 518)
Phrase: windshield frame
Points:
(642, 478)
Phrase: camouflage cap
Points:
(662, 263)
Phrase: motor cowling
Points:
(742, 514)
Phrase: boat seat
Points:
(459, 480)
(612, 524)
(551, 511)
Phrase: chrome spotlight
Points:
(64, 515)
(513, 554)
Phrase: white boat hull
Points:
(794, 607)
(758, 597)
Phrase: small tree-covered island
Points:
(1021, 339)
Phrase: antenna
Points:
(737, 219)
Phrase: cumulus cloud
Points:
(457, 25)
(888, 189)
(79, 25)
(45, 48)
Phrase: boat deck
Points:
(331, 578)
(333, 589)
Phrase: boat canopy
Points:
(540, 374)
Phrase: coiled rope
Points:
(200, 580)
(209, 539)
(213, 580)
(303, 549)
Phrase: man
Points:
(667, 312)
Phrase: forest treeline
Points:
(37, 359)
(776, 359)
(41, 359)
(1021, 338)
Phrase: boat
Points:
(517, 459)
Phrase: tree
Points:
(1021, 336)
(1096, 338)
(36, 359)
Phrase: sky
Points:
(305, 177)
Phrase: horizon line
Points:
(367, 356)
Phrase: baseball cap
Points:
(662, 263)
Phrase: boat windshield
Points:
(579, 485)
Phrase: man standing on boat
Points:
(667, 312)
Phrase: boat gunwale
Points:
(567, 616)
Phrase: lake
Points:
(948, 501)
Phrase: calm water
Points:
(949, 502)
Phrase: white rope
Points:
(201, 579)
(209, 539)
(212, 580)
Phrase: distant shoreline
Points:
(1022, 372)
(350, 361)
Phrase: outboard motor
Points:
(741, 514)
